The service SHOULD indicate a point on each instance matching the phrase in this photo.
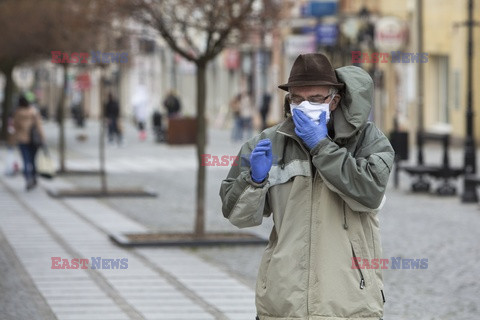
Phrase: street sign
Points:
(83, 82)
(320, 8)
(326, 34)
(232, 59)
(23, 77)
(298, 44)
(390, 34)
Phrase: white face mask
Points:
(312, 111)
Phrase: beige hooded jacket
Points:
(324, 204)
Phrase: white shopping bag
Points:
(45, 166)
(12, 166)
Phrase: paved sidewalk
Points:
(158, 283)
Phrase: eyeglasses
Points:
(315, 100)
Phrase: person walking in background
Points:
(237, 121)
(322, 173)
(172, 104)
(141, 118)
(77, 109)
(140, 108)
(29, 135)
(157, 126)
(264, 108)
(112, 116)
(246, 115)
(242, 110)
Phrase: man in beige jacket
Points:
(324, 190)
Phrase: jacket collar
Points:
(288, 128)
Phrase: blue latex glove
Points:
(261, 160)
(310, 133)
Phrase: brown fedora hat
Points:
(312, 69)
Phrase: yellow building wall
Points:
(458, 57)
(442, 36)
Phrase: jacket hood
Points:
(356, 101)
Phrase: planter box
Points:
(182, 130)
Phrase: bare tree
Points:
(24, 36)
(32, 29)
(78, 27)
(199, 30)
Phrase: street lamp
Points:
(469, 192)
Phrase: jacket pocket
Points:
(265, 264)
(365, 280)
(361, 278)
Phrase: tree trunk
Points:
(7, 101)
(201, 142)
(61, 120)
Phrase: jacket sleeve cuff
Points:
(320, 146)
(249, 180)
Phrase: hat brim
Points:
(285, 86)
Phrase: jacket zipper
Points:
(314, 173)
(310, 239)
(362, 279)
(345, 225)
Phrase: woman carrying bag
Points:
(29, 136)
